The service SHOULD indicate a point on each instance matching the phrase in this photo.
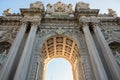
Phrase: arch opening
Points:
(62, 69)
(61, 46)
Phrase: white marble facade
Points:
(90, 41)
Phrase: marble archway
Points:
(61, 46)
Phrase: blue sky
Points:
(103, 5)
(60, 68)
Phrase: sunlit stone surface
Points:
(88, 40)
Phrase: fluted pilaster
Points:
(112, 65)
(23, 66)
(6, 71)
(98, 69)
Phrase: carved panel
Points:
(37, 4)
(8, 33)
(82, 5)
(59, 7)
(115, 48)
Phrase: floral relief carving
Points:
(115, 48)
(59, 9)
(37, 4)
(9, 33)
(82, 5)
(111, 34)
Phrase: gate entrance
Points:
(61, 46)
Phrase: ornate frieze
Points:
(7, 12)
(89, 19)
(82, 5)
(59, 9)
(60, 30)
(37, 4)
(111, 13)
(8, 33)
(59, 19)
(11, 20)
(111, 30)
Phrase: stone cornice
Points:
(87, 12)
(31, 10)
(118, 20)
(107, 19)
(89, 19)
(10, 21)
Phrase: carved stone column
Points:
(113, 66)
(86, 65)
(23, 66)
(81, 75)
(5, 74)
(98, 69)
(40, 69)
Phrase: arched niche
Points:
(115, 48)
(4, 49)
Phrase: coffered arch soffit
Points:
(60, 46)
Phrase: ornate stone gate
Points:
(81, 36)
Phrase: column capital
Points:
(34, 23)
(24, 23)
(83, 24)
(94, 24)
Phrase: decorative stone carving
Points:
(37, 4)
(60, 31)
(49, 9)
(1, 33)
(4, 49)
(115, 47)
(58, 21)
(44, 31)
(111, 34)
(112, 12)
(82, 5)
(89, 19)
(6, 12)
(59, 8)
(8, 33)
(69, 8)
(34, 18)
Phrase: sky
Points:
(60, 68)
(103, 5)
